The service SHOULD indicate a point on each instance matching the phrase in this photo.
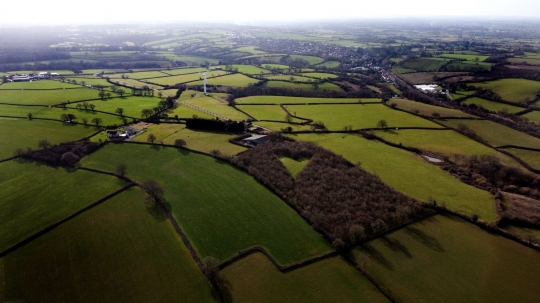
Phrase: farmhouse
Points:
(428, 88)
(256, 140)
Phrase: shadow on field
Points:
(424, 238)
(155, 210)
(183, 151)
(395, 245)
(377, 256)
(226, 289)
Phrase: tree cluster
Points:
(215, 125)
(67, 153)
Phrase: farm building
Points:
(256, 140)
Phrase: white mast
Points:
(205, 81)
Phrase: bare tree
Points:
(121, 169)
(120, 91)
(382, 124)
(120, 111)
(44, 144)
(153, 188)
(97, 121)
(151, 138)
(180, 142)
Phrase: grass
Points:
(265, 112)
(287, 78)
(493, 106)
(294, 166)
(35, 195)
(276, 66)
(311, 59)
(236, 213)
(424, 64)
(172, 80)
(186, 112)
(183, 71)
(19, 133)
(135, 83)
(212, 105)
(445, 259)
(514, 90)
(49, 97)
(234, 80)
(320, 75)
(408, 173)
(447, 142)
(461, 94)
(401, 70)
(132, 105)
(255, 279)
(335, 117)
(249, 69)
(533, 116)
(249, 49)
(465, 57)
(521, 60)
(286, 84)
(468, 66)
(142, 75)
(94, 81)
(43, 84)
(299, 100)
(422, 78)
(275, 126)
(426, 109)
(196, 140)
(531, 157)
(93, 256)
(496, 134)
(329, 64)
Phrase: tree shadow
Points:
(377, 256)
(155, 210)
(226, 289)
(184, 151)
(424, 238)
(395, 245)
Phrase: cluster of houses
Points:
(117, 134)
(31, 77)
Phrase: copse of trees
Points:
(215, 125)
(67, 153)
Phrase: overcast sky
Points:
(116, 11)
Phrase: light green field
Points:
(92, 81)
(514, 90)
(329, 64)
(460, 94)
(234, 80)
(320, 75)
(93, 256)
(445, 259)
(49, 97)
(294, 166)
(18, 133)
(426, 109)
(35, 195)
(424, 64)
(196, 140)
(335, 117)
(249, 49)
(186, 112)
(299, 100)
(249, 69)
(279, 126)
(531, 157)
(468, 66)
(190, 60)
(255, 279)
(521, 60)
(221, 221)
(493, 106)
(401, 70)
(311, 59)
(186, 78)
(136, 83)
(465, 57)
(266, 112)
(42, 84)
(288, 78)
(447, 142)
(132, 105)
(275, 66)
(407, 173)
(183, 71)
(212, 105)
(322, 86)
(533, 116)
(143, 75)
(496, 134)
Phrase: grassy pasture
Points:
(423, 78)
(275, 126)
(49, 97)
(300, 100)
(533, 116)
(311, 59)
(277, 66)
(445, 259)
(42, 84)
(145, 75)
(187, 112)
(460, 94)
(468, 66)
(135, 83)
(496, 134)
(401, 70)
(320, 75)
(172, 80)
(183, 71)
(470, 57)
(249, 49)
(235, 214)
(514, 90)
(447, 142)
(132, 105)
(18, 133)
(249, 69)
(212, 105)
(520, 60)
(329, 64)
(531, 157)
(493, 106)
(196, 140)
(234, 80)
(424, 64)
(190, 60)
(255, 279)
(426, 109)
(92, 81)
(407, 173)
(322, 86)
(335, 117)
(36, 195)
(265, 112)
(294, 166)
(93, 256)
(287, 78)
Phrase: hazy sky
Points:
(114, 11)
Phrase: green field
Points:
(426, 109)
(236, 213)
(424, 64)
(461, 94)
(49, 97)
(329, 64)
(132, 105)
(335, 117)
(496, 134)
(493, 106)
(235, 80)
(275, 66)
(183, 71)
(288, 78)
(212, 105)
(401, 70)
(520, 60)
(275, 126)
(91, 258)
(266, 112)
(480, 58)
(321, 86)
(142, 75)
(255, 279)
(186, 112)
(249, 49)
(196, 140)
(36, 195)
(94, 81)
(249, 69)
(320, 75)
(468, 66)
(43, 84)
(446, 142)
(531, 157)
(135, 83)
(294, 166)
(514, 90)
(299, 100)
(19, 133)
(311, 59)
(445, 259)
(172, 80)
(407, 173)
(533, 116)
